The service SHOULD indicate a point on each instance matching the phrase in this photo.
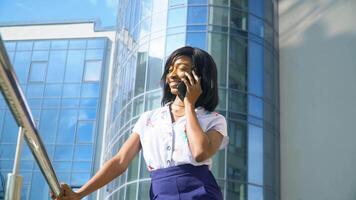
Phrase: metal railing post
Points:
(14, 180)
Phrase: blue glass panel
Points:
(155, 64)
(197, 40)
(66, 127)
(53, 90)
(177, 2)
(92, 70)
(79, 179)
(34, 103)
(70, 102)
(51, 103)
(83, 152)
(255, 154)
(90, 90)
(174, 42)
(38, 71)
(256, 26)
(255, 106)
(48, 125)
(22, 65)
(255, 192)
(256, 7)
(255, 68)
(8, 150)
(85, 132)
(198, 15)
(59, 44)
(39, 188)
(77, 44)
(88, 102)
(88, 113)
(96, 43)
(177, 17)
(75, 65)
(82, 166)
(42, 45)
(64, 152)
(24, 46)
(62, 166)
(34, 90)
(64, 177)
(94, 54)
(197, 2)
(40, 55)
(56, 66)
(10, 46)
(196, 28)
(71, 90)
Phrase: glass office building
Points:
(242, 37)
(62, 80)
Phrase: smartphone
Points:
(182, 90)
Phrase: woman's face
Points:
(177, 71)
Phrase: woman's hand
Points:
(68, 194)
(193, 89)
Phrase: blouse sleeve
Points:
(219, 124)
(140, 124)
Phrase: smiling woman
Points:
(177, 140)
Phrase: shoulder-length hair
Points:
(205, 68)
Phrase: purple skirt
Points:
(184, 182)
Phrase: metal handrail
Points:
(15, 99)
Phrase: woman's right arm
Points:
(111, 169)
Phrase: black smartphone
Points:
(182, 90)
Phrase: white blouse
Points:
(165, 144)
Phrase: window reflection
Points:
(92, 70)
(56, 66)
(155, 63)
(238, 20)
(255, 154)
(74, 66)
(177, 17)
(255, 68)
(197, 15)
(38, 71)
(218, 49)
(85, 132)
(218, 16)
(174, 42)
(22, 65)
(238, 63)
(140, 72)
(66, 127)
(48, 125)
(197, 40)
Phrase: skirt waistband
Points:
(179, 170)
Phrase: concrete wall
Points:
(318, 99)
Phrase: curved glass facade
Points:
(241, 35)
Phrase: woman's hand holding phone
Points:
(193, 89)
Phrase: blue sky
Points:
(47, 11)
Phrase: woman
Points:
(178, 139)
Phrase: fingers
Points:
(196, 77)
(190, 78)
